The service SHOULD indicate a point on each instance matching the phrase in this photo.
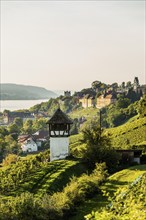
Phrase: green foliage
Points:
(142, 107)
(98, 147)
(88, 114)
(113, 115)
(10, 159)
(9, 145)
(60, 204)
(19, 122)
(24, 207)
(128, 134)
(28, 127)
(127, 204)
(35, 174)
(56, 206)
(39, 124)
(123, 103)
(67, 104)
(13, 128)
(17, 176)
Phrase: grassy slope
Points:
(50, 178)
(131, 133)
(120, 179)
(122, 137)
(88, 113)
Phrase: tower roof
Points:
(59, 117)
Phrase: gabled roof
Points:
(40, 134)
(59, 117)
(107, 96)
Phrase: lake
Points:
(18, 104)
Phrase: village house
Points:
(9, 117)
(87, 101)
(40, 137)
(27, 143)
(106, 99)
(30, 143)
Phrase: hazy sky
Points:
(68, 45)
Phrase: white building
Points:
(29, 145)
(59, 128)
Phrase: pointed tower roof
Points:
(59, 117)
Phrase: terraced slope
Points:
(129, 134)
(119, 180)
(48, 178)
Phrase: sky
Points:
(66, 45)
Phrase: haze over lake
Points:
(18, 104)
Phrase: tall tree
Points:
(98, 146)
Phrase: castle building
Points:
(105, 99)
(67, 93)
(87, 101)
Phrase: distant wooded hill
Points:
(22, 92)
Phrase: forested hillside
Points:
(24, 92)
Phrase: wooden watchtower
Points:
(59, 132)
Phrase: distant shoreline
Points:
(14, 105)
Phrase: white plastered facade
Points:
(59, 148)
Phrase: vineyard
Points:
(58, 205)
(129, 134)
(129, 183)
(79, 187)
(37, 176)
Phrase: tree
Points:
(128, 84)
(13, 128)
(123, 85)
(27, 126)
(39, 124)
(142, 106)
(123, 103)
(98, 147)
(114, 85)
(95, 85)
(19, 122)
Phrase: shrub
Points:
(22, 207)
(9, 159)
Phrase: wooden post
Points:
(100, 120)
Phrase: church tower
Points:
(59, 132)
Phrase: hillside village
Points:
(108, 94)
(98, 96)
(60, 156)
